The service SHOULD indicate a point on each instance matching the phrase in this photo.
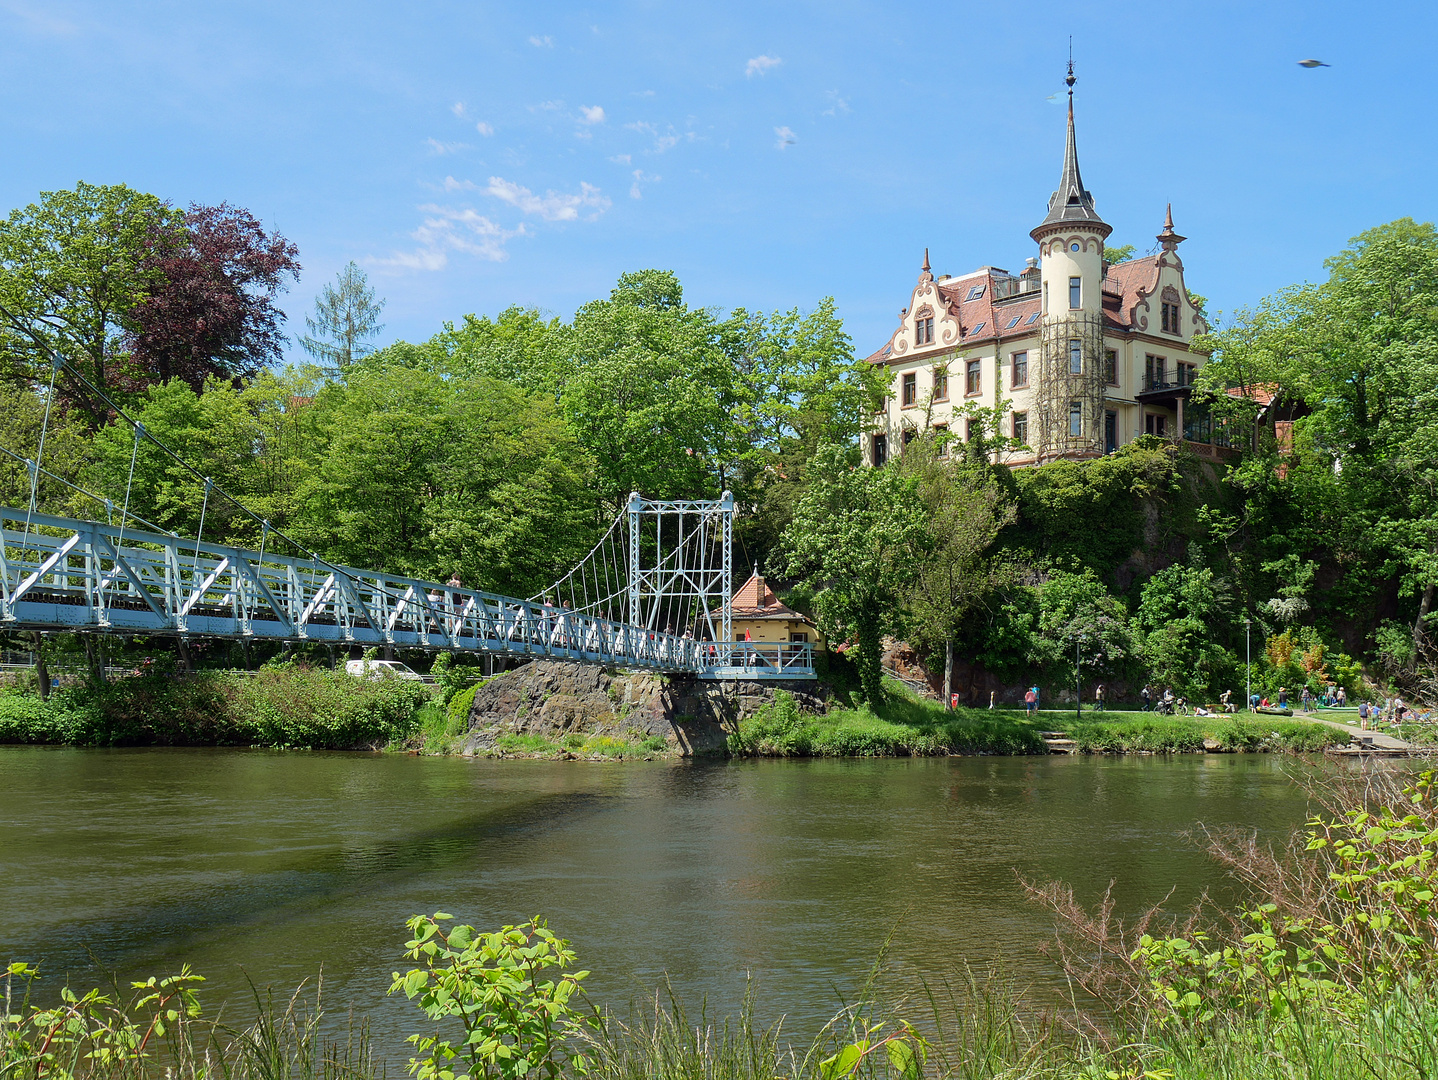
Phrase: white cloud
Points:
(761, 64)
(458, 109)
(451, 184)
(551, 206)
(484, 128)
(593, 114)
(446, 229)
(443, 148)
(640, 177)
(786, 137)
(663, 142)
(837, 104)
(622, 159)
(545, 42)
(548, 106)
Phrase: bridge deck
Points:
(65, 574)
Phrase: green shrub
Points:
(322, 709)
(459, 707)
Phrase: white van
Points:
(378, 669)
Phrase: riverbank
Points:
(909, 726)
(543, 711)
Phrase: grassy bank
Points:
(281, 706)
(1296, 982)
(909, 726)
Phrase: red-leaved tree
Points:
(209, 308)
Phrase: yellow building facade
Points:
(758, 616)
(1075, 355)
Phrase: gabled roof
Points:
(755, 600)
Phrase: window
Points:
(1155, 424)
(881, 450)
(975, 293)
(941, 439)
(1075, 292)
(1075, 356)
(1185, 374)
(1021, 369)
(969, 430)
(1075, 418)
(910, 391)
(1110, 432)
(1021, 427)
(1046, 297)
(973, 383)
(924, 331)
(1014, 322)
(1032, 319)
(908, 437)
(975, 331)
(1154, 373)
(1110, 366)
(941, 384)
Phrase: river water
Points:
(276, 865)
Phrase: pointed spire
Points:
(925, 274)
(1071, 204)
(1168, 238)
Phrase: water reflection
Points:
(278, 864)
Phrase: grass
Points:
(906, 725)
(634, 745)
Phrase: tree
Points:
(1115, 255)
(346, 318)
(965, 509)
(209, 311)
(73, 269)
(855, 540)
(1079, 619)
(1184, 620)
(648, 393)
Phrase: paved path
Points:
(1380, 741)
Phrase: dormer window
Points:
(924, 331)
(1075, 292)
(975, 293)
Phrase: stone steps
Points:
(1058, 742)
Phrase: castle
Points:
(1073, 356)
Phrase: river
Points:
(275, 865)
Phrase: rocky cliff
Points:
(552, 699)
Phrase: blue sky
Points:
(476, 155)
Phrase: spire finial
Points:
(1072, 78)
(1168, 238)
(926, 259)
(1071, 203)
(925, 274)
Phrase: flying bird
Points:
(1313, 63)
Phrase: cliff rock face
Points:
(552, 699)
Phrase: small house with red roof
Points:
(759, 616)
(1075, 355)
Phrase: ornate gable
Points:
(930, 322)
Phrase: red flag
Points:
(747, 637)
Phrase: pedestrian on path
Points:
(1146, 696)
(1031, 701)
(1098, 698)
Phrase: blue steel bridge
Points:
(653, 594)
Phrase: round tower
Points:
(1069, 397)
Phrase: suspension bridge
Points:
(654, 593)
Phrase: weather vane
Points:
(1072, 78)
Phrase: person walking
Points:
(1146, 697)
(1098, 698)
(1226, 699)
(1031, 701)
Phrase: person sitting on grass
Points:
(1199, 710)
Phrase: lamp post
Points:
(1248, 661)
(1078, 682)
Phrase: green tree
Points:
(1115, 255)
(965, 509)
(345, 321)
(856, 541)
(1079, 620)
(73, 270)
(648, 393)
(1184, 622)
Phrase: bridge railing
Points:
(59, 573)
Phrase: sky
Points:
(472, 156)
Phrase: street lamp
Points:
(1078, 682)
(1248, 661)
